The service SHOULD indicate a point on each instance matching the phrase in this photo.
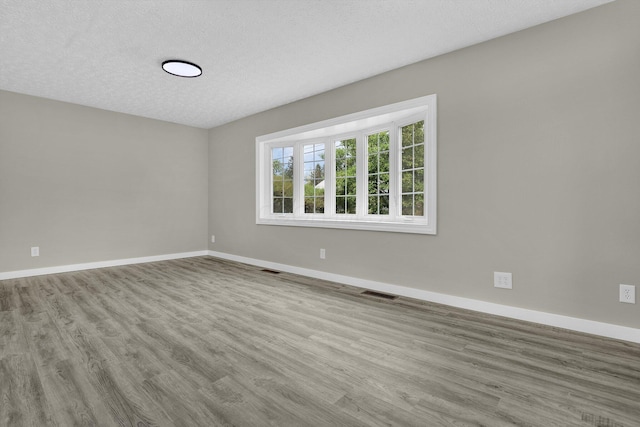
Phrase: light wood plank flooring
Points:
(205, 342)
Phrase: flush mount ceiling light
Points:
(181, 68)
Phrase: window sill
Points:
(400, 226)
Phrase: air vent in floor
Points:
(266, 270)
(379, 295)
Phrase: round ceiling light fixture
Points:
(180, 68)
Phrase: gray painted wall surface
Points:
(539, 172)
(92, 185)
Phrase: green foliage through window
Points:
(378, 173)
(314, 178)
(345, 176)
(282, 187)
(412, 172)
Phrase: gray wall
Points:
(539, 172)
(91, 185)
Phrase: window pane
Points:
(308, 157)
(419, 132)
(287, 188)
(288, 205)
(288, 168)
(378, 173)
(351, 186)
(351, 166)
(419, 205)
(277, 188)
(282, 169)
(350, 145)
(384, 205)
(308, 205)
(383, 184)
(384, 141)
(419, 156)
(277, 205)
(418, 185)
(373, 205)
(412, 168)
(340, 204)
(373, 164)
(341, 186)
(314, 178)
(407, 158)
(384, 162)
(407, 135)
(373, 184)
(351, 205)
(373, 144)
(277, 167)
(308, 170)
(407, 204)
(407, 182)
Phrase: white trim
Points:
(100, 264)
(360, 120)
(556, 320)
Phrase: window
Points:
(378, 172)
(345, 156)
(282, 184)
(314, 178)
(373, 170)
(412, 137)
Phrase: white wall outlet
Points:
(35, 251)
(213, 238)
(628, 294)
(502, 280)
(323, 254)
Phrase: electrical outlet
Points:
(323, 254)
(35, 251)
(628, 294)
(502, 280)
(213, 238)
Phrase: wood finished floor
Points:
(205, 342)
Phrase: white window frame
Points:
(390, 117)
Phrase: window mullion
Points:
(298, 177)
(329, 178)
(394, 168)
(361, 175)
(266, 201)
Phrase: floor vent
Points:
(266, 270)
(379, 295)
(599, 421)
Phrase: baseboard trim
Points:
(100, 264)
(556, 320)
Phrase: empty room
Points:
(320, 213)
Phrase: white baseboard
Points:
(99, 264)
(572, 323)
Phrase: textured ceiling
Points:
(255, 54)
